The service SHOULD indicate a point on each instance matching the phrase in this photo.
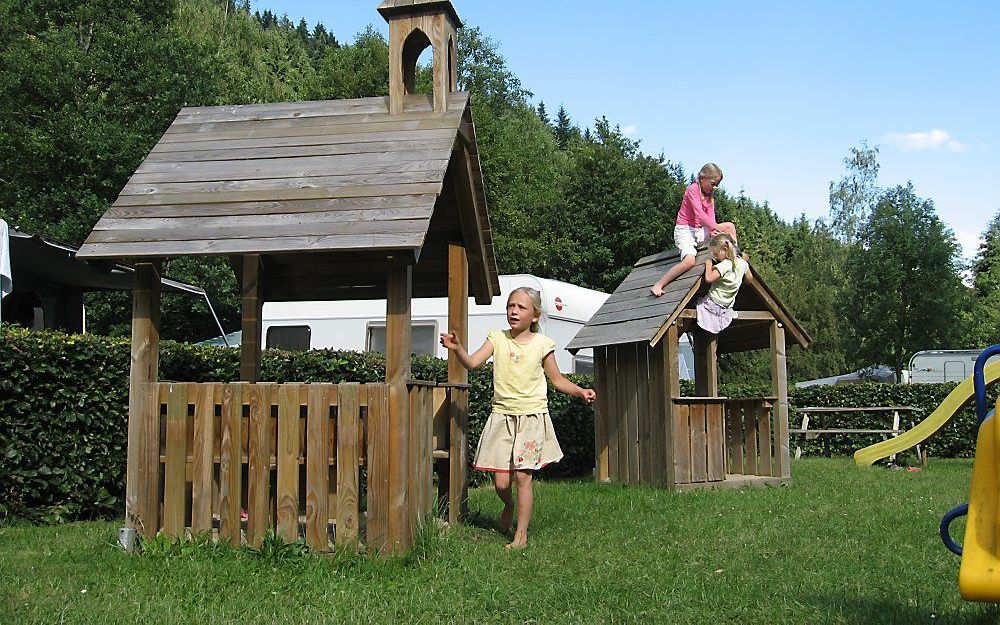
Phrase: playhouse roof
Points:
(342, 178)
(631, 314)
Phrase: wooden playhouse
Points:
(369, 198)
(646, 432)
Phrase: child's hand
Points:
(588, 395)
(656, 290)
(450, 341)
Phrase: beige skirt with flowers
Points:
(517, 442)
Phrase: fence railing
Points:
(750, 437)
(307, 460)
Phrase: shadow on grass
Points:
(843, 608)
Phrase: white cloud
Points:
(969, 241)
(629, 130)
(933, 139)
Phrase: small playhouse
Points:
(370, 198)
(646, 432)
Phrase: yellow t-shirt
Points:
(518, 379)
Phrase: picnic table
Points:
(823, 427)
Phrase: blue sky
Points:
(776, 93)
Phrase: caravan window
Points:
(424, 337)
(292, 338)
(584, 365)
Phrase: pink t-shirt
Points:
(696, 211)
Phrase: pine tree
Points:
(543, 114)
(564, 128)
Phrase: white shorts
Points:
(687, 238)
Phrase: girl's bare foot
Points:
(506, 520)
(520, 541)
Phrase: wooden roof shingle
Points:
(631, 314)
(320, 176)
(395, 7)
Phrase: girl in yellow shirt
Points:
(518, 438)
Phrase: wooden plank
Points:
(734, 431)
(203, 468)
(142, 454)
(380, 175)
(317, 467)
(631, 382)
(473, 220)
(639, 295)
(428, 453)
(259, 481)
(199, 231)
(251, 246)
(779, 388)
(642, 412)
(458, 322)
(657, 434)
(750, 449)
(398, 349)
(763, 412)
(602, 473)
(716, 441)
(624, 447)
(699, 442)
(230, 463)
(376, 534)
(682, 443)
(400, 127)
(413, 451)
(174, 482)
(291, 209)
(348, 422)
(180, 225)
(363, 189)
(614, 414)
(671, 389)
(439, 446)
(252, 306)
(218, 151)
(288, 169)
(263, 144)
(187, 126)
(288, 462)
(355, 106)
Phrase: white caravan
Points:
(944, 365)
(360, 324)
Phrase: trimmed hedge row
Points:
(64, 412)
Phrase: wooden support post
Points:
(143, 452)
(252, 308)
(458, 322)
(668, 349)
(601, 414)
(398, 348)
(706, 364)
(779, 389)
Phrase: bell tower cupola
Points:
(413, 26)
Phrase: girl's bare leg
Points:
(672, 274)
(501, 482)
(525, 501)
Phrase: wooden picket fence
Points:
(310, 461)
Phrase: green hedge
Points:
(64, 413)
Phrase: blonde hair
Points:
(536, 302)
(710, 171)
(722, 242)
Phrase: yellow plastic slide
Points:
(920, 432)
(979, 576)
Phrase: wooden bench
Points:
(825, 432)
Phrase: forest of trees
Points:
(87, 87)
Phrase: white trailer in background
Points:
(944, 365)
(360, 324)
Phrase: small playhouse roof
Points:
(335, 177)
(631, 314)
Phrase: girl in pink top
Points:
(695, 222)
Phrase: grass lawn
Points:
(840, 545)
